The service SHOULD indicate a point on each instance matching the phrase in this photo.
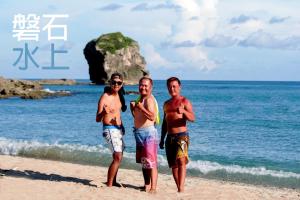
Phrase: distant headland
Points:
(26, 89)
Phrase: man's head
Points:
(116, 81)
(174, 86)
(145, 86)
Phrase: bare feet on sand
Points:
(115, 184)
(145, 188)
(152, 191)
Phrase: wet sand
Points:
(27, 179)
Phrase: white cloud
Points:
(241, 19)
(187, 34)
(186, 43)
(196, 58)
(194, 30)
(258, 39)
(276, 20)
(147, 7)
(249, 26)
(220, 41)
(194, 18)
(153, 58)
(262, 39)
(111, 7)
(253, 25)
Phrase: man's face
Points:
(116, 84)
(174, 88)
(145, 87)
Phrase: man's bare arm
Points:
(164, 130)
(132, 105)
(148, 111)
(100, 111)
(187, 111)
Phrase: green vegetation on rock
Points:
(113, 41)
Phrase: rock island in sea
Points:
(114, 52)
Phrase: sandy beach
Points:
(26, 178)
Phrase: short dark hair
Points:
(116, 75)
(146, 78)
(173, 79)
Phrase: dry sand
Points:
(26, 178)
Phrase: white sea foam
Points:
(48, 90)
(206, 167)
(14, 147)
(54, 91)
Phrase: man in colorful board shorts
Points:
(177, 111)
(177, 148)
(145, 114)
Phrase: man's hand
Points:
(132, 104)
(161, 145)
(105, 109)
(139, 105)
(181, 109)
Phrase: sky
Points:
(191, 39)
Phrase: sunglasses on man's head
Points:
(116, 82)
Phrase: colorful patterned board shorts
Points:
(114, 137)
(177, 147)
(146, 146)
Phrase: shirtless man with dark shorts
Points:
(177, 111)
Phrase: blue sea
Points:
(244, 131)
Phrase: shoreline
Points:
(100, 156)
(29, 178)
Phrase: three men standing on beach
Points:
(177, 111)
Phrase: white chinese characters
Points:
(26, 27)
(50, 26)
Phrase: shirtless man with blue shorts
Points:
(145, 113)
(109, 113)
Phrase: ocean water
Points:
(244, 131)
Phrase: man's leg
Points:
(175, 175)
(181, 173)
(154, 174)
(147, 176)
(115, 183)
(113, 168)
